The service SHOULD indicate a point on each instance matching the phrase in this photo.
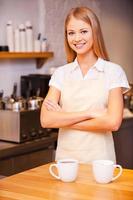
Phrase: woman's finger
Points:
(52, 105)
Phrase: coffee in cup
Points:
(67, 170)
(103, 171)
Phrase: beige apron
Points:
(84, 145)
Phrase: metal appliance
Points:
(21, 126)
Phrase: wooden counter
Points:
(38, 184)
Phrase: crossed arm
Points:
(53, 116)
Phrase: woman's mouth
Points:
(79, 45)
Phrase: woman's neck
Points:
(86, 61)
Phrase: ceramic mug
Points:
(103, 171)
(67, 170)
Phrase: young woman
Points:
(85, 97)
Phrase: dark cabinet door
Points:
(123, 141)
(16, 164)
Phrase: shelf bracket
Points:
(40, 62)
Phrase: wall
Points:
(48, 16)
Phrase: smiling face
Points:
(79, 36)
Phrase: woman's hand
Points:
(51, 105)
(95, 112)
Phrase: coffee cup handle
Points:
(51, 171)
(119, 174)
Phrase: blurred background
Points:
(47, 17)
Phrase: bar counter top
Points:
(38, 184)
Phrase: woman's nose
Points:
(77, 37)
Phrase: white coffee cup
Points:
(103, 171)
(67, 170)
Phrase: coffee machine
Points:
(24, 125)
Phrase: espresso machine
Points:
(20, 124)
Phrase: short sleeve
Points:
(57, 78)
(117, 78)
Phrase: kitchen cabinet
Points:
(40, 57)
(15, 158)
(123, 141)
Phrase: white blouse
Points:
(114, 74)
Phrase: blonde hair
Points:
(87, 15)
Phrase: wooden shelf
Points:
(40, 57)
